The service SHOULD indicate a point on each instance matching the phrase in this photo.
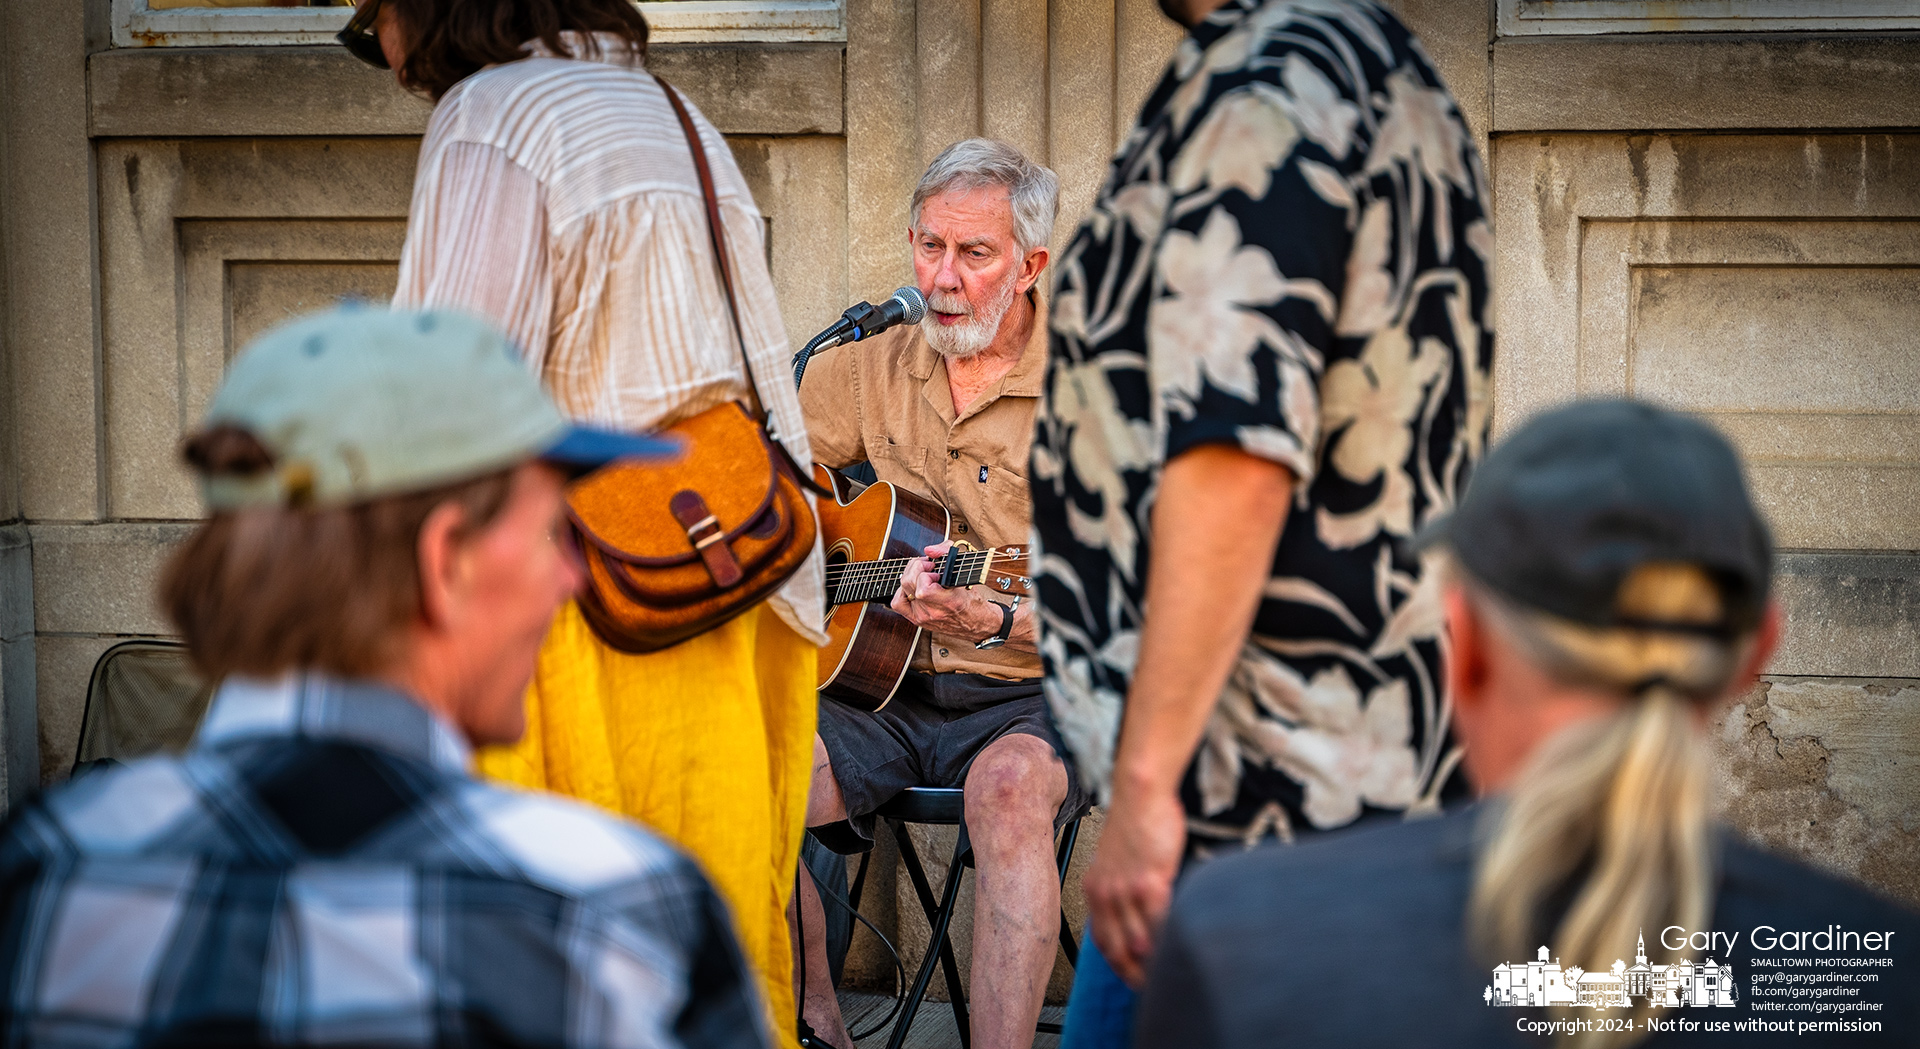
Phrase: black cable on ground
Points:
(808, 1038)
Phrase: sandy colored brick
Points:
(48, 265)
(99, 579)
(800, 183)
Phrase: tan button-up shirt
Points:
(886, 400)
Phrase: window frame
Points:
(1585, 17)
(670, 21)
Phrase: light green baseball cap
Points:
(359, 402)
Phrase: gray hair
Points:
(1033, 190)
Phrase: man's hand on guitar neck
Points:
(967, 614)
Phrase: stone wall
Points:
(1826, 769)
(1727, 223)
(19, 764)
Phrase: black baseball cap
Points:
(1558, 513)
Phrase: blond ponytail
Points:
(1610, 818)
(1622, 803)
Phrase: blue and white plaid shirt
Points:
(321, 868)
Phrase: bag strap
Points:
(714, 228)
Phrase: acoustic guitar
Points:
(871, 533)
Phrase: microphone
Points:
(905, 306)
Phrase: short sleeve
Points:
(830, 400)
(1248, 273)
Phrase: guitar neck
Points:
(852, 582)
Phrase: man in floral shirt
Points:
(1270, 365)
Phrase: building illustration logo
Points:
(1541, 982)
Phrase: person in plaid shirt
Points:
(320, 867)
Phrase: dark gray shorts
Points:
(928, 736)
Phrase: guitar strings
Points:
(870, 580)
(895, 566)
(870, 572)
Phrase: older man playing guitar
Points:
(945, 410)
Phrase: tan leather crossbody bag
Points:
(675, 549)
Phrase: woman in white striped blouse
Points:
(556, 196)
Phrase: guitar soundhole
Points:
(839, 553)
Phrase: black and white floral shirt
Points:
(1290, 254)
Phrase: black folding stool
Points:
(946, 806)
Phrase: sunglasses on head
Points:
(360, 40)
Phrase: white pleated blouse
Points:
(557, 197)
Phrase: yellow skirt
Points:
(709, 742)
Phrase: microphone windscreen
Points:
(915, 303)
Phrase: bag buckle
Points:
(705, 533)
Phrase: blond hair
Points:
(1613, 816)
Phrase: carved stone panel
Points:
(241, 277)
(205, 243)
(1795, 336)
(1768, 282)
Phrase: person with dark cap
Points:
(1606, 589)
(373, 585)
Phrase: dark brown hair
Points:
(450, 40)
(265, 591)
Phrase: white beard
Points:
(957, 342)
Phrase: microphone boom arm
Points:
(826, 340)
(904, 306)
